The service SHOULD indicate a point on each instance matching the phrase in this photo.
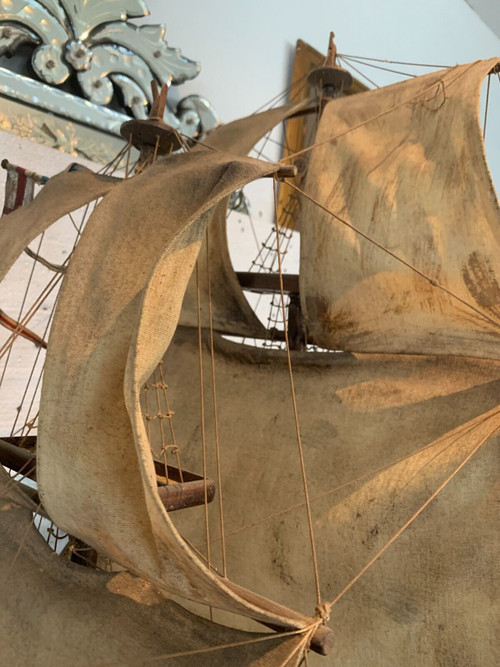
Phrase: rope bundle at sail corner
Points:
(322, 612)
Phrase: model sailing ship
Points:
(356, 486)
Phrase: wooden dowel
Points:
(174, 496)
(15, 458)
(286, 171)
(189, 494)
(268, 282)
(321, 641)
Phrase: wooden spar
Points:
(186, 494)
(179, 493)
(267, 282)
(174, 494)
(270, 283)
(321, 641)
(297, 329)
(330, 79)
(153, 135)
(18, 459)
(286, 171)
(20, 330)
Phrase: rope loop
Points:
(172, 448)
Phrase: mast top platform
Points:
(330, 79)
(153, 132)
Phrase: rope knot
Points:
(323, 612)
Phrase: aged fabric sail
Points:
(406, 166)
(56, 613)
(381, 433)
(117, 311)
(301, 130)
(63, 194)
(231, 312)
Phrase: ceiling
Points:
(489, 12)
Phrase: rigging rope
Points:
(385, 69)
(439, 82)
(210, 649)
(160, 416)
(202, 413)
(432, 281)
(214, 403)
(287, 92)
(55, 280)
(411, 519)
(21, 308)
(394, 62)
(36, 305)
(361, 478)
(348, 64)
(295, 409)
(169, 415)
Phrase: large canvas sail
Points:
(381, 434)
(117, 311)
(405, 165)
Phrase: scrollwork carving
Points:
(12, 36)
(96, 41)
(59, 135)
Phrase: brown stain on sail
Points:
(479, 277)
(332, 321)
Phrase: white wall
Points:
(245, 47)
(56, 245)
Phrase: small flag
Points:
(19, 187)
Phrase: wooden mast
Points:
(152, 136)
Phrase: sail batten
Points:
(406, 167)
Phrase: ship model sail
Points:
(357, 485)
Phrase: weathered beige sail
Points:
(406, 166)
(117, 311)
(64, 193)
(231, 312)
(381, 433)
(56, 613)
